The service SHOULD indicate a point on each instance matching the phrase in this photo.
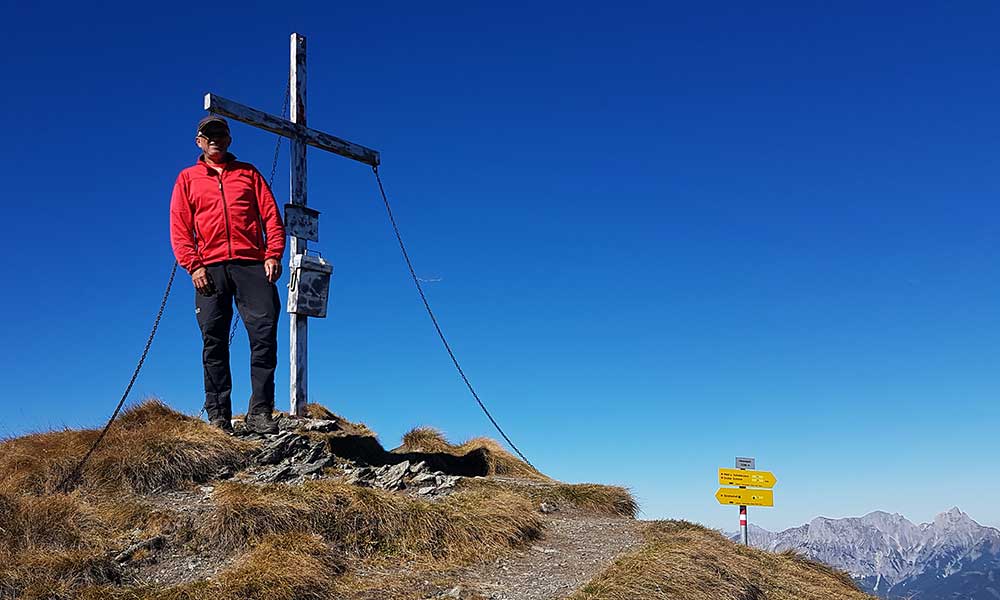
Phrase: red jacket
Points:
(216, 217)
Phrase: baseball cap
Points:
(212, 121)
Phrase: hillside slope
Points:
(169, 508)
(681, 560)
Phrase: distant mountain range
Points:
(952, 558)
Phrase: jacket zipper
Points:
(260, 231)
(225, 209)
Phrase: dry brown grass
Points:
(150, 447)
(297, 540)
(45, 574)
(293, 566)
(425, 439)
(684, 561)
(499, 461)
(44, 522)
(51, 542)
(818, 567)
(318, 411)
(291, 541)
(50, 545)
(592, 497)
(280, 567)
(366, 523)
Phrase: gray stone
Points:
(426, 490)
(279, 474)
(321, 425)
(317, 451)
(278, 449)
(422, 477)
(310, 468)
(363, 476)
(288, 423)
(391, 478)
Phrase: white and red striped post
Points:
(743, 525)
(743, 464)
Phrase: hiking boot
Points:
(223, 424)
(261, 423)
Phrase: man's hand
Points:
(201, 281)
(272, 269)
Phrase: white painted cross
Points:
(301, 136)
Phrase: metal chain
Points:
(277, 146)
(270, 184)
(75, 473)
(423, 297)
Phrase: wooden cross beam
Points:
(301, 136)
(289, 129)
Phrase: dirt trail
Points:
(575, 547)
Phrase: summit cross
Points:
(300, 136)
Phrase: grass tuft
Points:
(283, 567)
(592, 497)
(47, 574)
(426, 439)
(150, 447)
(820, 568)
(318, 411)
(499, 461)
(368, 523)
(30, 522)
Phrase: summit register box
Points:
(309, 285)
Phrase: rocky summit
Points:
(171, 508)
(295, 455)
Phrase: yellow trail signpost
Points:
(745, 476)
(763, 479)
(745, 497)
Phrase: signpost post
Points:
(745, 476)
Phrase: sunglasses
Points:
(214, 134)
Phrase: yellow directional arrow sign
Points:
(764, 479)
(745, 497)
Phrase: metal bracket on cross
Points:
(311, 276)
(302, 222)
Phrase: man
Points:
(226, 231)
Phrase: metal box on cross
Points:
(309, 285)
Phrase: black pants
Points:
(258, 303)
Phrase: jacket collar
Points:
(230, 159)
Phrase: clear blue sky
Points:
(660, 236)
